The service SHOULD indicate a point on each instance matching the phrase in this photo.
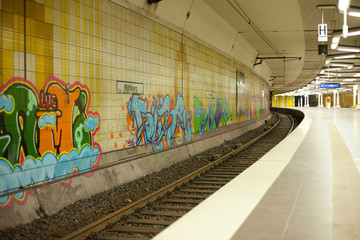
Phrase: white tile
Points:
(202, 225)
(235, 202)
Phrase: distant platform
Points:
(307, 187)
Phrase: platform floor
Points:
(307, 187)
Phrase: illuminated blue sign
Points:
(329, 85)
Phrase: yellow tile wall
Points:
(286, 101)
(98, 42)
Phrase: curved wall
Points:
(89, 84)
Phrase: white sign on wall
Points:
(210, 94)
(123, 87)
(322, 33)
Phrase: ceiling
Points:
(284, 32)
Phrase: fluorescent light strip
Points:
(340, 65)
(345, 26)
(354, 14)
(354, 33)
(335, 41)
(348, 49)
(332, 69)
(354, 11)
(345, 56)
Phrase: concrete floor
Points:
(307, 187)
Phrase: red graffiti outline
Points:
(50, 80)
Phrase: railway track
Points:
(150, 215)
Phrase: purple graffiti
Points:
(210, 118)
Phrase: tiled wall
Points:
(80, 58)
(283, 101)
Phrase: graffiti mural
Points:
(255, 110)
(44, 135)
(157, 120)
(210, 118)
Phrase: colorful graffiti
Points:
(255, 110)
(44, 136)
(157, 120)
(204, 120)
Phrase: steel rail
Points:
(292, 124)
(101, 223)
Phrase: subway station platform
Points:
(307, 187)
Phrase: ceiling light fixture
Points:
(332, 69)
(354, 31)
(345, 56)
(348, 48)
(354, 11)
(343, 5)
(335, 39)
(354, 14)
(342, 65)
(346, 59)
(327, 74)
(345, 26)
(339, 65)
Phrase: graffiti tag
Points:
(210, 118)
(156, 120)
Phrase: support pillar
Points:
(328, 102)
(334, 99)
(354, 95)
(338, 98)
(358, 97)
(306, 100)
(321, 100)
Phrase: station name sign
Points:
(123, 87)
(329, 85)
